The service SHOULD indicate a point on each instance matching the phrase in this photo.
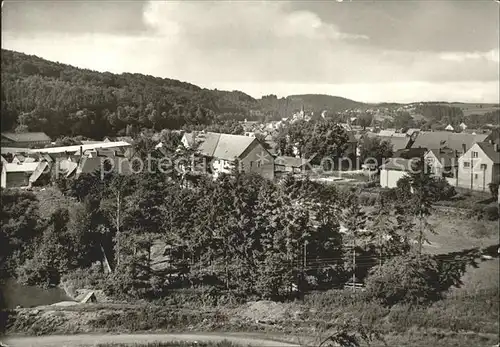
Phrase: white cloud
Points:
(492, 55)
(257, 46)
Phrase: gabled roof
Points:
(40, 169)
(440, 139)
(27, 137)
(489, 150)
(232, 146)
(445, 157)
(221, 146)
(397, 142)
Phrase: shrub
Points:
(367, 199)
(89, 278)
(441, 189)
(490, 212)
(494, 187)
(477, 212)
(405, 279)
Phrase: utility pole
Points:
(484, 178)
(305, 254)
(354, 263)
(471, 170)
(118, 207)
(304, 265)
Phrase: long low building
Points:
(81, 148)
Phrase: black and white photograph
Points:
(236, 173)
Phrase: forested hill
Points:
(62, 100)
(40, 95)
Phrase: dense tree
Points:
(20, 226)
(405, 279)
(314, 139)
(373, 150)
(365, 120)
(418, 196)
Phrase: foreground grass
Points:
(459, 320)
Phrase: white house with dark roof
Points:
(225, 149)
(479, 166)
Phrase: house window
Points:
(483, 166)
(475, 154)
(475, 176)
(466, 164)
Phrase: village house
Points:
(118, 146)
(442, 162)
(19, 175)
(397, 142)
(479, 166)
(447, 140)
(284, 165)
(393, 170)
(225, 149)
(28, 140)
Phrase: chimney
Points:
(81, 150)
(491, 142)
(464, 148)
(495, 146)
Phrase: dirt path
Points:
(91, 340)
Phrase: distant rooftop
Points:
(27, 137)
(221, 146)
(440, 139)
(491, 151)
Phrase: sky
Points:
(372, 51)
